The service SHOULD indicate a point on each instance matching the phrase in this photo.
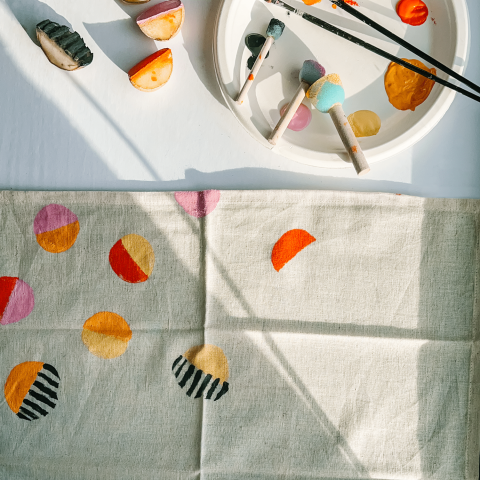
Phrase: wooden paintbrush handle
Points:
(349, 139)
(289, 113)
(256, 67)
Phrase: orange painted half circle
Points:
(19, 382)
(288, 246)
(60, 239)
(111, 324)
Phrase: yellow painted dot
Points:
(106, 335)
(364, 123)
(210, 359)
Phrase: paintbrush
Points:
(327, 96)
(274, 32)
(311, 72)
(363, 18)
(351, 38)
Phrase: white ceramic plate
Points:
(445, 36)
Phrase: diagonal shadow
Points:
(306, 397)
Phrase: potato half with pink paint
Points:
(153, 72)
(162, 21)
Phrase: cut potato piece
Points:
(64, 48)
(162, 21)
(153, 72)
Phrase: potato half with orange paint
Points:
(153, 72)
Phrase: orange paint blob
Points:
(106, 335)
(60, 239)
(351, 2)
(111, 324)
(19, 382)
(251, 77)
(288, 246)
(412, 12)
(311, 2)
(407, 90)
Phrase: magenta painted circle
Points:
(301, 119)
(20, 304)
(51, 217)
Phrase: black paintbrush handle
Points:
(363, 18)
(382, 53)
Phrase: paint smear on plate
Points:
(301, 119)
(412, 12)
(407, 90)
(254, 42)
(364, 123)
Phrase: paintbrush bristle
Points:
(275, 28)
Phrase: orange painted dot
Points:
(288, 246)
(407, 90)
(106, 335)
(18, 383)
(132, 258)
(354, 149)
(56, 228)
(251, 77)
(203, 372)
(334, 6)
(31, 390)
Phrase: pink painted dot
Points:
(198, 204)
(301, 119)
(52, 217)
(16, 300)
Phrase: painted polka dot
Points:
(56, 228)
(31, 390)
(198, 204)
(106, 335)
(16, 300)
(203, 372)
(289, 244)
(132, 258)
